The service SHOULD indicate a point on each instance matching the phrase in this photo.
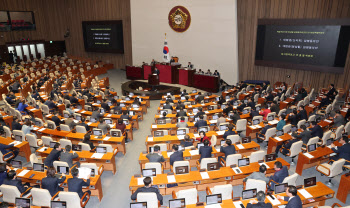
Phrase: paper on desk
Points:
(171, 179)
(15, 143)
(203, 104)
(84, 172)
(190, 106)
(204, 175)
(42, 129)
(326, 120)
(150, 139)
(196, 135)
(33, 109)
(35, 128)
(237, 168)
(106, 138)
(194, 152)
(240, 146)
(308, 155)
(220, 132)
(253, 127)
(213, 121)
(258, 126)
(109, 115)
(169, 153)
(89, 123)
(305, 193)
(111, 125)
(97, 155)
(23, 172)
(181, 137)
(264, 164)
(154, 126)
(213, 206)
(218, 149)
(83, 111)
(42, 149)
(140, 181)
(76, 110)
(278, 139)
(237, 204)
(275, 201)
(207, 112)
(48, 115)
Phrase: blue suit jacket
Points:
(343, 151)
(205, 152)
(317, 131)
(279, 176)
(200, 123)
(295, 202)
(229, 150)
(176, 156)
(228, 133)
(51, 184)
(76, 185)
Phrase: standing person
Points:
(51, 183)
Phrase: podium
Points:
(153, 79)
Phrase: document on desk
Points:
(258, 126)
(35, 128)
(217, 149)
(237, 204)
(252, 127)
(106, 138)
(207, 112)
(278, 139)
(237, 170)
(181, 137)
(15, 143)
(109, 115)
(213, 206)
(240, 146)
(83, 111)
(326, 120)
(111, 125)
(150, 139)
(23, 172)
(308, 155)
(137, 109)
(264, 164)
(89, 123)
(171, 179)
(97, 155)
(190, 106)
(76, 110)
(204, 175)
(154, 126)
(48, 115)
(41, 129)
(305, 193)
(169, 154)
(194, 152)
(213, 121)
(196, 135)
(84, 172)
(220, 132)
(42, 149)
(275, 201)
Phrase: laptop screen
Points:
(52, 144)
(131, 113)
(215, 117)
(248, 194)
(16, 164)
(149, 172)
(76, 147)
(93, 120)
(256, 121)
(243, 162)
(222, 142)
(205, 129)
(38, 167)
(181, 170)
(196, 119)
(102, 110)
(122, 105)
(101, 149)
(294, 128)
(66, 115)
(98, 132)
(309, 182)
(183, 98)
(22, 202)
(63, 169)
(177, 203)
(223, 127)
(126, 122)
(199, 145)
(78, 118)
(280, 188)
(108, 121)
(195, 110)
(270, 118)
(311, 147)
(246, 140)
(158, 133)
(58, 204)
(329, 142)
(217, 98)
(214, 199)
(181, 132)
(270, 157)
(213, 166)
(279, 133)
(245, 112)
(18, 138)
(115, 133)
(135, 106)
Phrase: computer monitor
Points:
(177, 203)
(109, 103)
(122, 105)
(158, 133)
(196, 119)
(281, 188)
(243, 162)
(245, 112)
(181, 147)
(195, 96)
(307, 124)
(93, 120)
(294, 128)
(217, 98)
(223, 106)
(116, 97)
(98, 101)
(131, 113)
(149, 172)
(223, 127)
(194, 91)
(213, 199)
(256, 121)
(89, 108)
(79, 107)
(131, 94)
(311, 147)
(50, 126)
(215, 117)
(168, 93)
(195, 110)
(205, 129)
(161, 121)
(279, 133)
(257, 108)
(135, 106)
(52, 144)
(206, 101)
(181, 170)
(38, 167)
(227, 97)
(115, 133)
(270, 157)
(76, 147)
(248, 194)
(108, 121)
(22, 202)
(222, 142)
(101, 149)
(246, 140)
(66, 115)
(329, 142)
(309, 182)
(138, 205)
(270, 118)
(37, 123)
(235, 103)
(97, 132)
(181, 132)
(59, 204)
(102, 110)
(126, 121)
(18, 138)
(213, 166)
(183, 98)
(199, 145)
(127, 98)
(78, 118)
(60, 101)
(63, 169)
(16, 164)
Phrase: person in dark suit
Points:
(50, 104)
(3, 173)
(82, 123)
(260, 202)
(181, 112)
(156, 71)
(205, 151)
(184, 92)
(229, 132)
(179, 105)
(96, 114)
(200, 97)
(342, 151)
(235, 117)
(15, 124)
(76, 184)
(105, 105)
(53, 156)
(200, 122)
(167, 105)
(6, 149)
(74, 99)
(13, 181)
(292, 198)
(56, 119)
(87, 141)
(293, 118)
(280, 174)
(200, 112)
(250, 103)
(287, 144)
(324, 101)
(228, 109)
(269, 97)
(117, 109)
(148, 188)
(261, 135)
(216, 73)
(331, 92)
(228, 148)
(305, 134)
(125, 116)
(168, 98)
(302, 113)
(156, 155)
(187, 142)
(50, 182)
(275, 108)
(338, 119)
(177, 155)
(15, 87)
(316, 130)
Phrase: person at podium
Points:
(209, 72)
(156, 71)
(190, 66)
(216, 73)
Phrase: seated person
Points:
(56, 119)
(205, 151)
(302, 115)
(265, 112)
(67, 156)
(177, 155)
(229, 132)
(181, 112)
(203, 137)
(293, 118)
(316, 130)
(82, 123)
(187, 142)
(53, 156)
(280, 174)
(281, 123)
(3, 173)
(305, 134)
(342, 151)
(261, 175)
(167, 105)
(156, 155)
(221, 119)
(86, 140)
(260, 202)
(103, 126)
(228, 148)
(338, 119)
(200, 122)
(261, 135)
(70, 122)
(121, 126)
(15, 124)
(292, 198)
(5, 149)
(182, 123)
(13, 181)
(76, 184)
(146, 189)
(51, 183)
(287, 144)
(125, 116)
(200, 112)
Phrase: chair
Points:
(46, 140)
(190, 195)
(45, 109)
(33, 141)
(287, 128)
(41, 197)
(269, 133)
(259, 185)
(339, 132)
(65, 142)
(241, 126)
(291, 180)
(230, 160)
(260, 118)
(35, 159)
(84, 147)
(312, 118)
(163, 147)
(8, 133)
(73, 200)
(156, 165)
(213, 140)
(273, 114)
(80, 129)
(180, 163)
(204, 163)
(347, 128)
(39, 122)
(325, 137)
(9, 193)
(19, 133)
(51, 123)
(109, 148)
(294, 150)
(64, 127)
(311, 141)
(283, 111)
(234, 138)
(301, 122)
(256, 156)
(331, 170)
(225, 191)
(98, 170)
(59, 163)
(150, 198)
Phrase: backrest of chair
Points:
(72, 199)
(38, 121)
(65, 142)
(224, 190)
(8, 132)
(9, 193)
(259, 185)
(287, 128)
(84, 147)
(301, 122)
(256, 156)
(163, 147)
(295, 149)
(156, 165)
(339, 131)
(258, 117)
(41, 197)
(326, 136)
(150, 198)
(233, 159)
(205, 161)
(312, 118)
(213, 140)
(347, 127)
(46, 140)
(19, 133)
(109, 147)
(269, 133)
(91, 166)
(234, 138)
(80, 129)
(271, 114)
(190, 195)
(33, 158)
(32, 140)
(52, 123)
(181, 163)
(337, 167)
(241, 125)
(283, 111)
(313, 140)
(64, 127)
(291, 180)
(59, 163)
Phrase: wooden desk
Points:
(273, 142)
(24, 148)
(344, 188)
(284, 104)
(320, 156)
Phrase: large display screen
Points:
(103, 36)
(317, 45)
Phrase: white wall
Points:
(209, 43)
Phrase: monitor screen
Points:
(246, 140)
(177, 203)
(215, 117)
(294, 128)
(217, 98)
(222, 142)
(280, 188)
(126, 122)
(79, 107)
(38, 167)
(52, 144)
(127, 98)
(149, 172)
(243, 162)
(195, 96)
(194, 91)
(270, 118)
(245, 112)
(109, 121)
(329, 142)
(135, 106)
(223, 106)
(257, 108)
(248, 194)
(309, 182)
(256, 121)
(63, 169)
(18, 138)
(131, 113)
(58, 204)
(116, 97)
(50, 126)
(279, 133)
(161, 121)
(122, 105)
(181, 170)
(181, 132)
(223, 127)
(183, 98)
(98, 132)
(101, 149)
(66, 115)
(109, 103)
(115, 133)
(307, 124)
(16, 164)
(245, 101)
(205, 129)
(196, 119)
(138, 205)
(158, 133)
(199, 145)
(76, 147)
(213, 166)
(102, 110)
(195, 110)
(270, 157)
(93, 120)
(78, 118)
(214, 199)
(22, 202)
(311, 147)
